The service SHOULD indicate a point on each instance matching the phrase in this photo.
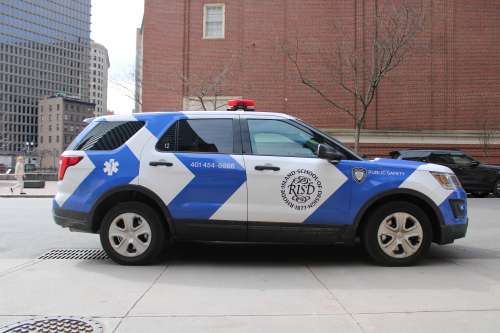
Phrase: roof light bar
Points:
(241, 104)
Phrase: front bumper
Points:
(452, 232)
(72, 219)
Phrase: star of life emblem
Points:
(359, 174)
(111, 167)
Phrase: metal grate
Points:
(55, 325)
(75, 254)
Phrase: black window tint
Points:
(274, 137)
(199, 135)
(411, 155)
(461, 159)
(439, 158)
(108, 135)
(167, 141)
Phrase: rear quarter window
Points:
(107, 135)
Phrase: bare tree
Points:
(129, 83)
(42, 152)
(392, 29)
(207, 85)
(488, 126)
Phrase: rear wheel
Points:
(480, 194)
(132, 233)
(496, 188)
(397, 234)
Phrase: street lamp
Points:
(28, 144)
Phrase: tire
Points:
(479, 194)
(132, 233)
(397, 244)
(496, 188)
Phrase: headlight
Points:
(447, 180)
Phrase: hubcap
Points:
(400, 235)
(130, 235)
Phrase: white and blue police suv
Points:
(140, 180)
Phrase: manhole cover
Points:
(54, 325)
(75, 254)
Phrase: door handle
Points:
(154, 163)
(266, 167)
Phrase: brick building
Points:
(61, 119)
(434, 101)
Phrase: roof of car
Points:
(148, 115)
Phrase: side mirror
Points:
(329, 153)
(474, 163)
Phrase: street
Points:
(240, 287)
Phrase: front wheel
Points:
(496, 188)
(397, 234)
(132, 233)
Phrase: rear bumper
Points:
(72, 219)
(452, 232)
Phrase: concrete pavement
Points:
(49, 191)
(238, 287)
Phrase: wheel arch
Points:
(422, 201)
(125, 193)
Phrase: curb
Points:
(15, 196)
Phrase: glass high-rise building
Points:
(44, 50)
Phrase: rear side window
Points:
(108, 135)
(411, 155)
(198, 135)
(439, 158)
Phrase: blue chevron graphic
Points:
(217, 178)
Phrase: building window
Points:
(72, 117)
(41, 109)
(41, 117)
(50, 128)
(77, 118)
(41, 139)
(50, 117)
(66, 127)
(57, 107)
(65, 139)
(213, 20)
(50, 107)
(72, 128)
(41, 128)
(58, 116)
(50, 139)
(57, 139)
(65, 117)
(57, 127)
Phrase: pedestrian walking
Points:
(19, 175)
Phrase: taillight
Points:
(67, 161)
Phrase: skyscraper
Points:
(44, 50)
(99, 64)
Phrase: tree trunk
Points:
(356, 137)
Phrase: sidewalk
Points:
(49, 191)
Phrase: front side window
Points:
(213, 20)
(462, 159)
(198, 135)
(278, 138)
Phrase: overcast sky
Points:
(114, 24)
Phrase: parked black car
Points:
(476, 178)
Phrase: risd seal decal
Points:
(359, 174)
(301, 189)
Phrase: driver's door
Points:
(292, 194)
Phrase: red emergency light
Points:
(241, 104)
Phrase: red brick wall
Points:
(441, 90)
(373, 150)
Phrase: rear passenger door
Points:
(198, 169)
